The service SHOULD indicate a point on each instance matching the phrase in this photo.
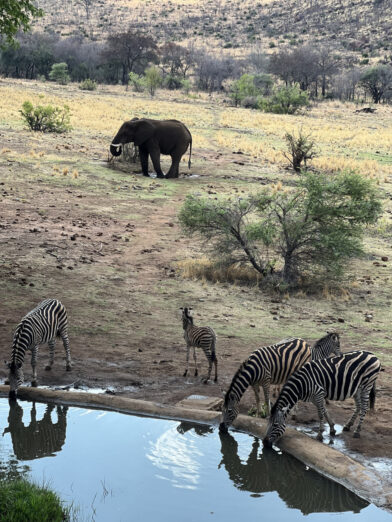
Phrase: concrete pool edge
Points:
(327, 461)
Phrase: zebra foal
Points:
(352, 374)
(272, 365)
(199, 337)
(41, 325)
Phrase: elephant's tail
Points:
(190, 155)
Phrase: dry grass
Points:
(344, 139)
(206, 270)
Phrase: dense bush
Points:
(46, 118)
(311, 229)
(172, 82)
(138, 82)
(88, 85)
(153, 79)
(59, 73)
(286, 100)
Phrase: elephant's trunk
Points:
(115, 149)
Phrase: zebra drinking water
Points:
(272, 365)
(199, 337)
(352, 374)
(41, 325)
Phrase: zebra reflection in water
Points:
(200, 429)
(299, 488)
(40, 438)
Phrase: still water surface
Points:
(116, 467)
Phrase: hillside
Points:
(362, 28)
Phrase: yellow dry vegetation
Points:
(206, 270)
(344, 139)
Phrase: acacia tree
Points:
(377, 81)
(16, 15)
(131, 52)
(314, 228)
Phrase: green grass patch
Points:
(22, 501)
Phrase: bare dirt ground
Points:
(106, 244)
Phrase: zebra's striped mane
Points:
(243, 365)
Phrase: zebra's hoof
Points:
(332, 432)
(356, 435)
(48, 367)
(196, 373)
(68, 368)
(34, 384)
(6, 382)
(319, 437)
(346, 428)
(185, 374)
(205, 381)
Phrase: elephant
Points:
(155, 137)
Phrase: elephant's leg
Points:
(174, 168)
(155, 154)
(143, 153)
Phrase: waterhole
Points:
(115, 467)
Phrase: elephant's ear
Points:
(143, 131)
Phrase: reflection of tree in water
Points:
(200, 429)
(40, 438)
(300, 489)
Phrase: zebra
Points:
(41, 325)
(272, 365)
(199, 337)
(352, 374)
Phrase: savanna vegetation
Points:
(293, 197)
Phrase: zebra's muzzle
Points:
(267, 443)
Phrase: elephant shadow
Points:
(41, 438)
(299, 488)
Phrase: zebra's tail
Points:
(372, 397)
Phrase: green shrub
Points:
(153, 79)
(242, 88)
(186, 85)
(88, 85)
(59, 73)
(172, 82)
(312, 229)
(46, 118)
(138, 82)
(301, 149)
(286, 100)
(20, 501)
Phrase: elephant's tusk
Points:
(116, 145)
